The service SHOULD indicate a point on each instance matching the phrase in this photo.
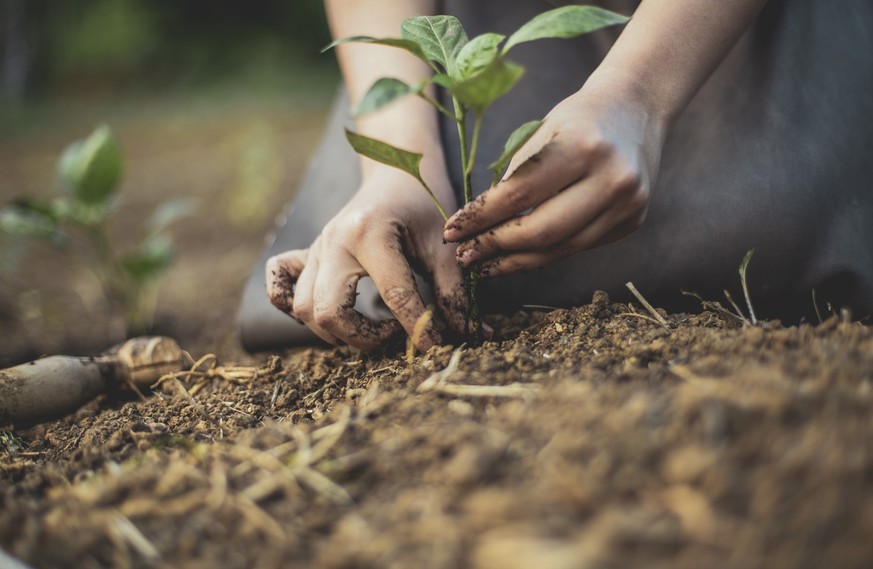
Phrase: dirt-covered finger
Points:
(389, 268)
(609, 226)
(282, 273)
(304, 298)
(552, 222)
(333, 305)
(529, 187)
(451, 297)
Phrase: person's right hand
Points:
(389, 226)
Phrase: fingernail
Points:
(487, 272)
(469, 256)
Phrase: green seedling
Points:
(89, 172)
(744, 265)
(475, 73)
(738, 314)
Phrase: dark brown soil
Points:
(595, 438)
(578, 438)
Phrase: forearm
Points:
(410, 122)
(670, 47)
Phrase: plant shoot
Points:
(475, 73)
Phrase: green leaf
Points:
(91, 168)
(36, 207)
(169, 213)
(386, 154)
(566, 22)
(150, 258)
(744, 265)
(479, 91)
(395, 157)
(443, 80)
(382, 93)
(516, 140)
(409, 45)
(28, 218)
(440, 38)
(80, 213)
(476, 55)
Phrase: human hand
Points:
(389, 226)
(583, 180)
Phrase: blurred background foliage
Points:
(220, 102)
(111, 47)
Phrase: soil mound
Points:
(590, 437)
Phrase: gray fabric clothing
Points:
(775, 152)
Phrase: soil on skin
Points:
(595, 438)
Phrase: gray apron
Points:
(775, 152)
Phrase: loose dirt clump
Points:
(589, 437)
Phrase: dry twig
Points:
(630, 286)
(438, 382)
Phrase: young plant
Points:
(475, 73)
(89, 172)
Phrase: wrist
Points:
(387, 181)
(409, 123)
(632, 91)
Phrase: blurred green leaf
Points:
(479, 91)
(386, 154)
(440, 38)
(477, 55)
(169, 213)
(85, 214)
(382, 93)
(443, 80)
(35, 206)
(29, 218)
(150, 258)
(564, 23)
(409, 45)
(516, 140)
(91, 168)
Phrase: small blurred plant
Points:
(89, 173)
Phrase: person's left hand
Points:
(588, 185)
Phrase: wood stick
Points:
(646, 304)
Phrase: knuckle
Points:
(628, 178)
(303, 309)
(333, 231)
(488, 241)
(325, 315)
(592, 145)
(349, 227)
(517, 199)
(625, 183)
(541, 235)
(399, 297)
(361, 223)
